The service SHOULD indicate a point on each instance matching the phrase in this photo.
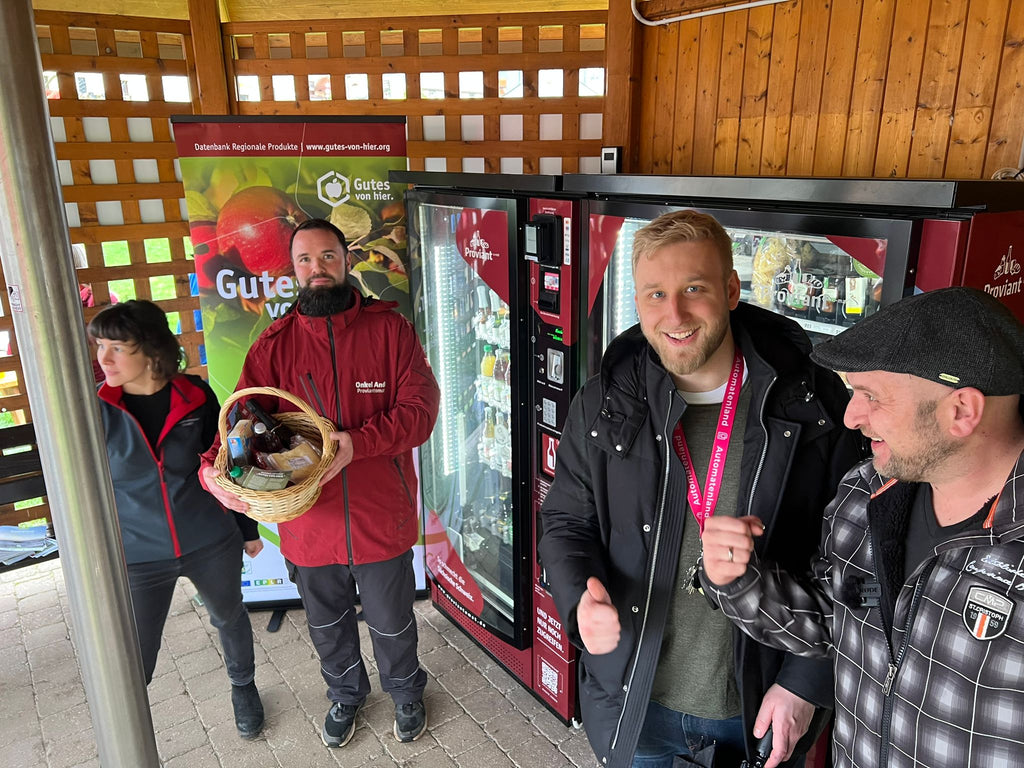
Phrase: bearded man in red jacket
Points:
(359, 364)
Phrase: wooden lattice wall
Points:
(886, 88)
(482, 93)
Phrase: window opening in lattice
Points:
(115, 253)
(284, 87)
(510, 39)
(392, 43)
(353, 45)
(590, 125)
(431, 85)
(140, 129)
(319, 87)
(280, 46)
(128, 43)
(151, 211)
(171, 46)
(471, 85)
(433, 128)
(89, 86)
(43, 38)
(511, 165)
(473, 165)
(316, 45)
(158, 249)
(176, 88)
(393, 85)
(510, 128)
(124, 290)
(510, 83)
(161, 288)
(134, 88)
(146, 170)
(472, 127)
(550, 127)
(550, 39)
(83, 41)
(591, 81)
(592, 37)
(103, 172)
(243, 47)
(550, 83)
(550, 166)
(50, 85)
(471, 41)
(96, 128)
(247, 87)
(430, 42)
(435, 164)
(357, 86)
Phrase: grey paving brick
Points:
(33, 586)
(578, 750)
(49, 656)
(525, 702)
(441, 707)
(180, 738)
(38, 619)
(462, 681)
(19, 725)
(509, 731)
(172, 711)
(486, 704)
(9, 618)
(537, 752)
(25, 753)
(499, 679)
(427, 638)
(197, 662)
(213, 683)
(440, 660)
(215, 710)
(551, 727)
(203, 757)
(405, 751)
(289, 727)
(432, 758)
(458, 735)
(53, 698)
(72, 749)
(484, 755)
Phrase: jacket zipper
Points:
(650, 580)
(764, 449)
(401, 477)
(344, 472)
(894, 663)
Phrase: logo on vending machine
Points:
(1007, 267)
(479, 249)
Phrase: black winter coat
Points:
(617, 504)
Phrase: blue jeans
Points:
(216, 572)
(667, 733)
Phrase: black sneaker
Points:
(410, 721)
(245, 700)
(339, 725)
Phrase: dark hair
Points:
(322, 224)
(144, 323)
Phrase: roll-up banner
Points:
(249, 181)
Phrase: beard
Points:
(935, 448)
(321, 302)
(684, 362)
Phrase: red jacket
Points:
(368, 371)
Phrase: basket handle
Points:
(234, 397)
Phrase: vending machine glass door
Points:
(465, 320)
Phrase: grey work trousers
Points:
(386, 591)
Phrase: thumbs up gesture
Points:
(597, 619)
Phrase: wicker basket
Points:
(287, 503)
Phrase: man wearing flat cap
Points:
(918, 590)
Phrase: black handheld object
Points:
(763, 749)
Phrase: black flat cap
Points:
(961, 337)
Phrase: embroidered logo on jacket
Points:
(370, 387)
(986, 613)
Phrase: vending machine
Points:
(825, 252)
(495, 297)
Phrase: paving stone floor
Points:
(480, 717)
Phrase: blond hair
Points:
(687, 226)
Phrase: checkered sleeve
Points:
(789, 611)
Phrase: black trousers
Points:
(216, 572)
(386, 591)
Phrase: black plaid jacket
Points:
(929, 669)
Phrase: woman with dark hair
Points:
(157, 421)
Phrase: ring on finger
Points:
(729, 555)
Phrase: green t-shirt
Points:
(695, 673)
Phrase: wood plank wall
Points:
(884, 88)
(516, 93)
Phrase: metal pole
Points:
(46, 308)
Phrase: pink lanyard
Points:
(703, 507)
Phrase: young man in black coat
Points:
(708, 407)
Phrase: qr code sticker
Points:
(549, 677)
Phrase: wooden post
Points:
(204, 18)
(622, 73)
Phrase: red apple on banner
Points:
(256, 224)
